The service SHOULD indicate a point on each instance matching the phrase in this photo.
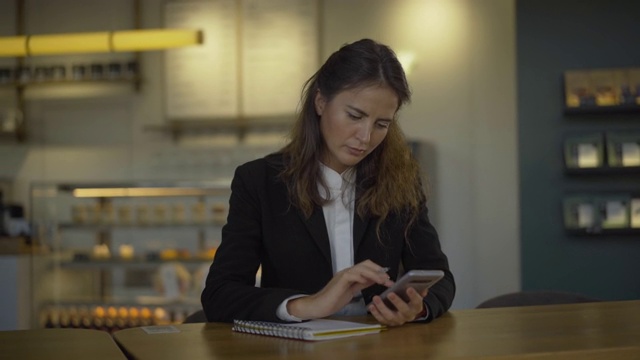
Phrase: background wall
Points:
(464, 108)
(15, 299)
(555, 36)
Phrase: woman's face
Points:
(354, 123)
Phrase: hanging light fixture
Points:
(99, 42)
(13, 46)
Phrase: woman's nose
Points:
(364, 133)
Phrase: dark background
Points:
(552, 37)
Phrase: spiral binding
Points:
(269, 329)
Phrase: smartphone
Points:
(417, 279)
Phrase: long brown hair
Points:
(388, 179)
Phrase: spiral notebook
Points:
(312, 330)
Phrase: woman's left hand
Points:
(405, 311)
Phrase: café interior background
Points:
(463, 75)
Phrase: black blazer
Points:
(263, 228)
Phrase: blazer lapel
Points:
(359, 228)
(317, 228)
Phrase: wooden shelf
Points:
(600, 232)
(614, 109)
(150, 226)
(146, 189)
(72, 81)
(239, 126)
(128, 301)
(603, 170)
(136, 263)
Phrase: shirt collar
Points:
(335, 180)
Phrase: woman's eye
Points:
(383, 125)
(354, 117)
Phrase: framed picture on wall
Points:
(623, 149)
(602, 88)
(578, 91)
(580, 212)
(614, 211)
(601, 213)
(585, 151)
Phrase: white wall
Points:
(463, 79)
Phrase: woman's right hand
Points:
(344, 285)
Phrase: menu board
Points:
(254, 61)
(280, 52)
(201, 81)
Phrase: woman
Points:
(329, 213)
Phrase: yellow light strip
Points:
(147, 192)
(68, 43)
(13, 46)
(98, 42)
(157, 39)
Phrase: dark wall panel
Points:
(552, 37)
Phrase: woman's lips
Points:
(355, 151)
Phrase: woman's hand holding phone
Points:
(403, 301)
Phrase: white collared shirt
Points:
(338, 214)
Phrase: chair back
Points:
(196, 317)
(530, 298)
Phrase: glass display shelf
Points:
(140, 300)
(125, 245)
(139, 263)
(103, 227)
(114, 315)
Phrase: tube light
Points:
(68, 43)
(13, 46)
(98, 42)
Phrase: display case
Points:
(123, 255)
(602, 153)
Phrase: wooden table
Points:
(63, 344)
(606, 330)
